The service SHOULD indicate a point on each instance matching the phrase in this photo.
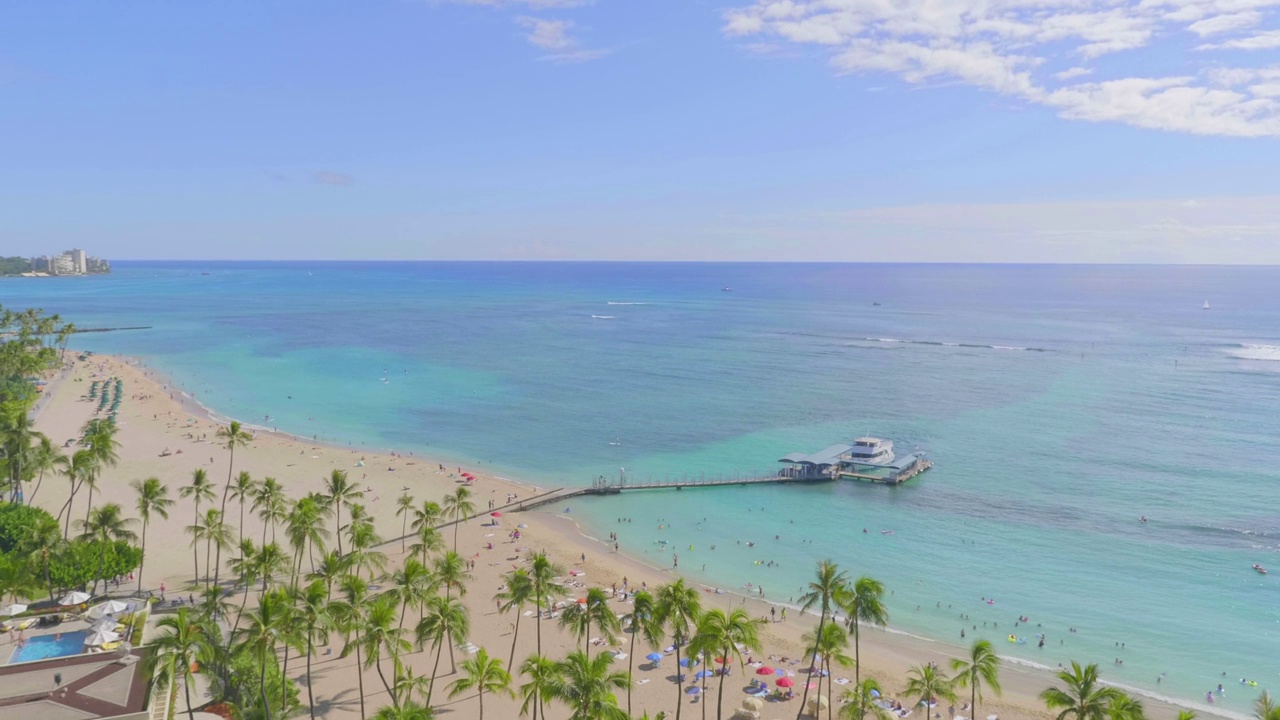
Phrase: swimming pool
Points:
(50, 646)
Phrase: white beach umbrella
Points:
(74, 598)
(13, 609)
(101, 637)
(106, 623)
(110, 607)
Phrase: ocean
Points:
(1060, 404)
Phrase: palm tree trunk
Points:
(36, 489)
(143, 562)
(89, 510)
(186, 687)
(284, 676)
(822, 620)
(360, 677)
(680, 678)
(102, 559)
(857, 655)
(311, 700)
(481, 696)
(514, 636)
(434, 670)
(453, 665)
(720, 694)
(631, 661)
(195, 547)
(262, 685)
(208, 547)
(394, 700)
(586, 636)
(337, 525)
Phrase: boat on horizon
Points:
(1206, 305)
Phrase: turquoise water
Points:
(1059, 404)
(43, 647)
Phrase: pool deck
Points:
(93, 686)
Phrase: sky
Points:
(1142, 131)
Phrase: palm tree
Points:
(828, 646)
(362, 552)
(678, 608)
(245, 566)
(105, 524)
(45, 540)
(828, 585)
(340, 492)
(516, 592)
(459, 506)
(153, 497)
(1265, 708)
(864, 603)
(861, 699)
(579, 617)
(407, 684)
(231, 437)
(424, 524)
(243, 489)
(545, 589)
(267, 627)
(216, 535)
(412, 585)
(176, 652)
(404, 507)
(643, 622)
(332, 567)
(1125, 707)
(1084, 697)
(16, 578)
(484, 675)
(349, 617)
(272, 506)
(587, 686)
(201, 489)
(381, 635)
(1186, 715)
(46, 457)
(543, 675)
(82, 468)
(983, 666)
(410, 710)
(444, 621)
(930, 685)
(429, 541)
(100, 435)
(315, 621)
(304, 530)
(450, 571)
(725, 636)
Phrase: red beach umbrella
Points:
(786, 682)
(764, 670)
(722, 661)
(495, 514)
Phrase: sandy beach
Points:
(165, 435)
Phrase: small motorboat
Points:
(1259, 569)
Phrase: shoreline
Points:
(886, 654)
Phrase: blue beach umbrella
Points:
(653, 657)
(703, 674)
(692, 690)
(687, 662)
(779, 672)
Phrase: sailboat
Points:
(616, 441)
(1206, 305)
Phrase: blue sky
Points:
(931, 130)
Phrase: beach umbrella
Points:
(875, 693)
(818, 702)
(110, 607)
(692, 690)
(812, 685)
(752, 704)
(703, 674)
(13, 609)
(106, 623)
(101, 637)
(74, 598)
(653, 657)
(764, 670)
(495, 514)
(780, 672)
(723, 661)
(685, 662)
(786, 682)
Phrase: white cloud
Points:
(1261, 41)
(1019, 48)
(550, 35)
(556, 38)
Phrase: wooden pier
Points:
(617, 488)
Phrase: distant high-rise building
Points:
(62, 264)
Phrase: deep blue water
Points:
(1059, 404)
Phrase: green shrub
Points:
(17, 523)
(76, 565)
